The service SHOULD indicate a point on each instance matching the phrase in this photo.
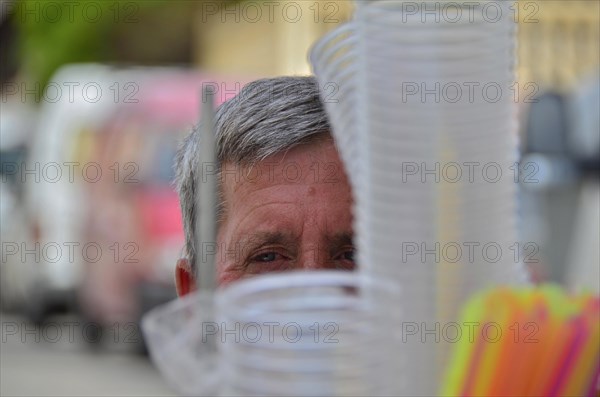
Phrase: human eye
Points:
(270, 256)
(267, 261)
(346, 258)
(348, 255)
(266, 257)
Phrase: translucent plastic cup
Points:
(403, 80)
(310, 334)
(289, 334)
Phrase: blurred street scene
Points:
(35, 362)
(97, 95)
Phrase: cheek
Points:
(226, 278)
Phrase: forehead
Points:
(316, 163)
(299, 182)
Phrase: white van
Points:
(77, 99)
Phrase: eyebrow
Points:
(255, 240)
(338, 241)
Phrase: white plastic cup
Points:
(310, 334)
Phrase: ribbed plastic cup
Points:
(310, 334)
(427, 95)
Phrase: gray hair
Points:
(267, 117)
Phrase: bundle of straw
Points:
(527, 342)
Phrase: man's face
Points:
(291, 211)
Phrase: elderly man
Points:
(285, 200)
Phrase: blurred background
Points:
(96, 95)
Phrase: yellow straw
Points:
(458, 368)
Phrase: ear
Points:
(184, 278)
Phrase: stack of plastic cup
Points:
(426, 124)
(307, 334)
(291, 334)
(319, 333)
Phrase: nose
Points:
(315, 258)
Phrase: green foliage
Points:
(55, 33)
